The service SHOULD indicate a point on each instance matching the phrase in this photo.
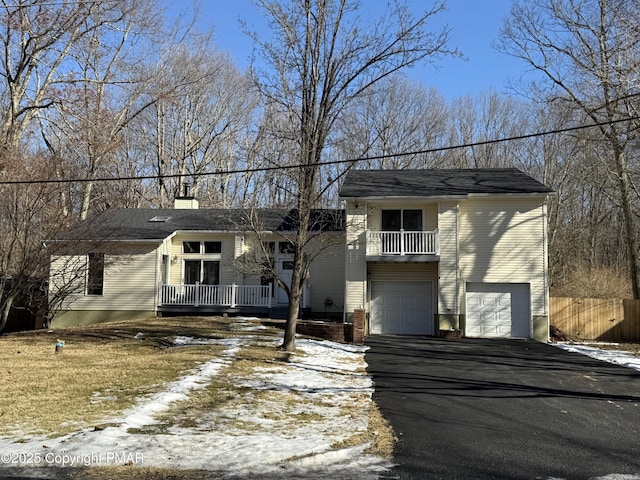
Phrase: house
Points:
(433, 250)
(419, 252)
(136, 263)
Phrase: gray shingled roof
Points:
(136, 224)
(439, 183)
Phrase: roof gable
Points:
(439, 183)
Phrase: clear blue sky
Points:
(475, 25)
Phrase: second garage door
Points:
(498, 310)
(403, 308)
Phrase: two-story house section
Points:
(430, 250)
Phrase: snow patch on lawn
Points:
(264, 434)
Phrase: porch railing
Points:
(216, 295)
(403, 243)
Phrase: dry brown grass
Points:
(106, 368)
(589, 282)
(102, 371)
(127, 472)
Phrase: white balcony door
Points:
(407, 220)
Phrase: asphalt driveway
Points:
(505, 409)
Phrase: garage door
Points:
(498, 310)
(402, 308)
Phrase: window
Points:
(269, 247)
(212, 247)
(286, 247)
(95, 274)
(194, 247)
(191, 247)
(395, 220)
(201, 271)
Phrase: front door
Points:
(285, 268)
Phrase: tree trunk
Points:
(4, 315)
(295, 295)
(627, 213)
(86, 200)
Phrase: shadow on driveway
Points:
(516, 409)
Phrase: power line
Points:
(318, 164)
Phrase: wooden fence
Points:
(609, 320)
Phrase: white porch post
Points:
(234, 292)
(401, 242)
(196, 295)
(270, 297)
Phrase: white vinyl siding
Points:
(403, 272)
(449, 286)
(501, 240)
(129, 281)
(355, 262)
(327, 280)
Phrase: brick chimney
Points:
(187, 200)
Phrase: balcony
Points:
(403, 246)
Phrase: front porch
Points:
(216, 299)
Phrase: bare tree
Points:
(587, 53)
(29, 214)
(39, 43)
(395, 116)
(322, 59)
(106, 90)
(200, 125)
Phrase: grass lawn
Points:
(105, 369)
(102, 371)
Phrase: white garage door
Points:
(498, 310)
(402, 308)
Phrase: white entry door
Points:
(285, 268)
(402, 308)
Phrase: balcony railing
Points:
(403, 243)
(216, 295)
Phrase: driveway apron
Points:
(504, 409)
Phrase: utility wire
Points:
(318, 164)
